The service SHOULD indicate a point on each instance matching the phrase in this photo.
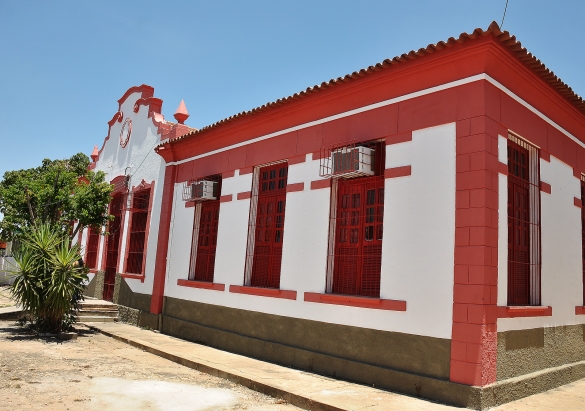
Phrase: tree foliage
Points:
(49, 281)
(59, 193)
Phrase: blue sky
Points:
(64, 64)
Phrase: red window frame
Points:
(269, 226)
(138, 232)
(91, 251)
(359, 221)
(113, 245)
(202, 266)
(523, 223)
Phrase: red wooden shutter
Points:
(138, 225)
(518, 225)
(269, 226)
(91, 252)
(206, 242)
(112, 249)
(358, 236)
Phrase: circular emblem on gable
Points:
(125, 132)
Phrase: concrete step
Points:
(98, 319)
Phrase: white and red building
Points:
(416, 225)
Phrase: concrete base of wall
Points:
(133, 308)
(95, 288)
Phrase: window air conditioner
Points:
(204, 190)
(353, 161)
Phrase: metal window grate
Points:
(524, 247)
(137, 231)
(204, 241)
(266, 231)
(91, 252)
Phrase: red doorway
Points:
(112, 247)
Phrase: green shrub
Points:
(49, 279)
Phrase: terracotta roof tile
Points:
(504, 37)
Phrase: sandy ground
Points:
(96, 372)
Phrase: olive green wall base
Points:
(527, 351)
(133, 308)
(95, 288)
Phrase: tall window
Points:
(205, 237)
(583, 231)
(523, 223)
(137, 232)
(357, 228)
(91, 251)
(268, 226)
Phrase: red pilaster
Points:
(160, 266)
(474, 335)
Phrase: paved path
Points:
(311, 391)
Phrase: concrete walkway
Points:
(311, 391)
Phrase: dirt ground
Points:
(96, 372)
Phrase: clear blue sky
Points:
(64, 64)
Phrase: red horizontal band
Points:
(245, 195)
(297, 160)
(502, 168)
(398, 172)
(578, 202)
(399, 138)
(246, 170)
(291, 188)
(577, 173)
(524, 311)
(264, 292)
(201, 284)
(545, 155)
(228, 174)
(545, 187)
(226, 198)
(318, 184)
(354, 301)
(190, 204)
(133, 276)
(579, 310)
(316, 155)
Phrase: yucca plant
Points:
(49, 280)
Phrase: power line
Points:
(504, 16)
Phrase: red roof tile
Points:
(508, 40)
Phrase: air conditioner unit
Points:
(204, 190)
(353, 161)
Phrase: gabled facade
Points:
(416, 225)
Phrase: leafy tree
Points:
(60, 193)
(49, 281)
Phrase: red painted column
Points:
(160, 266)
(474, 335)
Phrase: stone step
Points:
(93, 312)
(98, 319)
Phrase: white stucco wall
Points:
(561, 275)
(417, 260)
(140, 161)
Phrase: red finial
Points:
(95, 154)
(181, 114)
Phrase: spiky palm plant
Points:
(48, 279)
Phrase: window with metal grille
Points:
(583, 231)
(356, 231)
(137, 232)
(91, 251)
(523, 223)
(204, 241)
(266, 231)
